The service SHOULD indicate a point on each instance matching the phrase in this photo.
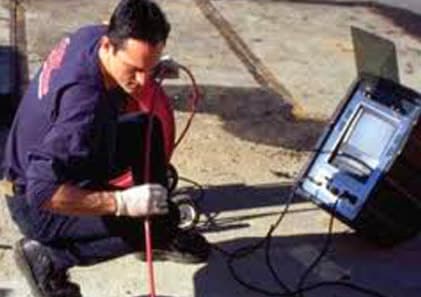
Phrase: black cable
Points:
(266, 242)
(248, 285)
(300, 290)
(247, 250)
(244, 251)
(324, 250)
(195, 184)
(272, 269)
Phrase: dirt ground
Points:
(246, 144)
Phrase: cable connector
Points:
(167, 68)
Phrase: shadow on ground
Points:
(5, 292)
(391, 272)
(215, 200)
(253, 114)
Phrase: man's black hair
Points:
(138, 19)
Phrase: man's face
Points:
(130, 65)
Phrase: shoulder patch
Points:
(52, 63)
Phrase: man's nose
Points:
(140, 78)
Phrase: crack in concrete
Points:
(254, 65)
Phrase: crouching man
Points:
(69, 138)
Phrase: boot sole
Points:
(25, 269)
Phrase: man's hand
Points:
(143, 200)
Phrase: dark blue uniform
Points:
(68, 130)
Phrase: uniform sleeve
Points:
(66, 147)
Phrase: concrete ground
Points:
(272, 73)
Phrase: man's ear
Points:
(106, 43)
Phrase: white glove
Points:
(143, 200)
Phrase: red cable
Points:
(147, 224)
(194, 100)
(149, 260)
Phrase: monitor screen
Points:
(370, 135)
(364, 143)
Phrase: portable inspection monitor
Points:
(367, 164)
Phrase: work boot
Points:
(188, 247)
(35, 262)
